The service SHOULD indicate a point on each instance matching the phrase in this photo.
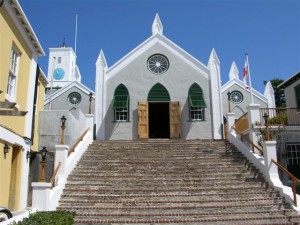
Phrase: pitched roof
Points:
(290, 81)
(20, 19)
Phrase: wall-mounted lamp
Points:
(267, 133)
(43, 163)
(63, 126)
(6, 148)
(28, 155)
(228, 98)
(43, 152)
(266, 117)
(90, 104)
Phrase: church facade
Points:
(158, 90)
(65, 90)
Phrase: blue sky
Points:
(268, 30)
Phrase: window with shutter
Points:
(120, 104)
(197, 104)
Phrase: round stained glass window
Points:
(158, 64)
(74, 98)
(236, 97)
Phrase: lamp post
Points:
(267, 134)
(90, 104)
(43, 163)
(228, 98)
(63, 126)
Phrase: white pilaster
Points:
(61, 155)
(253, 118)
(100, 90)
(40, 195)
(216, 97)
(90, 122)
(230, 121)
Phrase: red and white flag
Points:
(246, 74)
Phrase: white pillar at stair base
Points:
(90, 122)
(230, 123)
(253, 118)
(271, 170)
(61, 155)
(40, 195)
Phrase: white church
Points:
(158, 90)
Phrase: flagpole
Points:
(250, 84)
(76, 33)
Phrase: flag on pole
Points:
(246, 74)
(247, 77)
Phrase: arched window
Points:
(158, 93)
(121, 103)
(197, 104)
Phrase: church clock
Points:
(59, 74)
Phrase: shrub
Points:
(280, 118)
(49, 217)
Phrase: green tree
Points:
(278, 92)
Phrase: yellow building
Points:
(22, 95)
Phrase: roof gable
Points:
(64, 89)
(147, 44)
(241, 84)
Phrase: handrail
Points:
(241, 117)
(294, 180)
(72, 148)
(241, 123)
(52, 180)
(249, 142)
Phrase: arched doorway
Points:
(158, 111)
(159, 117)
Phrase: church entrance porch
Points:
(159, 122)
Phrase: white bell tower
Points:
(62, 68)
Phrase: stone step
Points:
(163, 190)
(165, 182)
(171, 177)
(201, 195)
(211, 172)
(168, 182)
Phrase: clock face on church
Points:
(58, 74)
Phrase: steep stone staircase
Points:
(171, 181)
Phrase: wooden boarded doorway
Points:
(159, 120)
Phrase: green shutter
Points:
(158, 93)
(196, 98)
(121, 97)
(120, 101)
